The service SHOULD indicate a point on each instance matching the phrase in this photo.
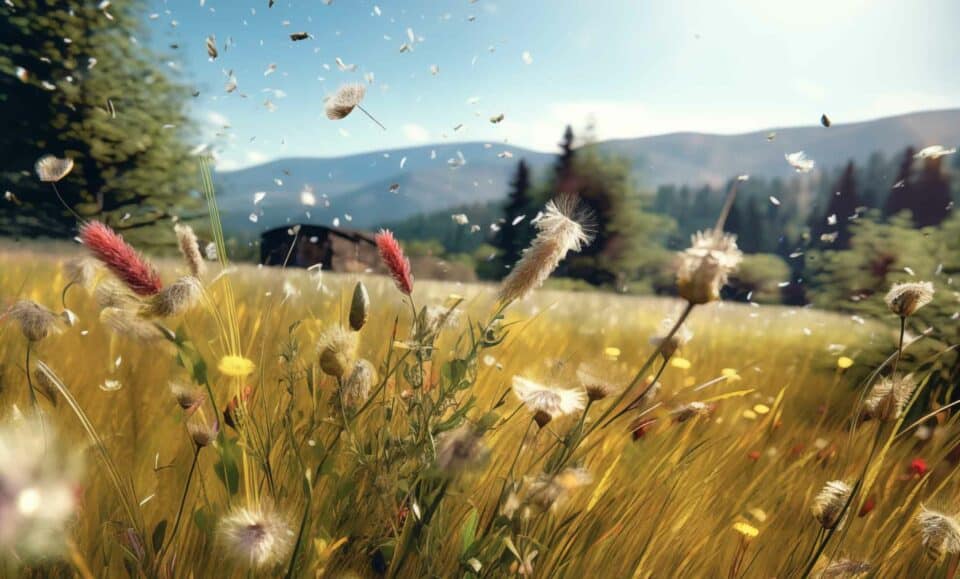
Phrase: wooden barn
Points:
(337, 249)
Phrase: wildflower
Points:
(51, 169)
(189, 399)
(38, 483)
(392, 256)
(337, 351)
(175, 299)
(342, 103)
(359, 307)
(126, 323)
(888, 398)
(564, 227)
(843, 362)
(940, 533)
(846, 568)
(121, 259)
(258, 535)
(82, 271)
(678, 340)
(356, 388)
(231, 414)
(904, 299)
(547, 402)
(460, 449)
(705, 266)
(235, 366)
(190, 249)
(550, 492)
(36, 322)
(202, 433)
(868, 506)
(681, 363)
(830, 502)
(746, 529)
(918, 467)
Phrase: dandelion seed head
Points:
(342, 102)
(36, 321)
(82, 271)
(705, 266)
(190, 249)
(51, 169)
(548, 402)
(904, 299)
(188, 398)
(259, 536)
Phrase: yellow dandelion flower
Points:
(749, 414)
(746, 529)
(730, 374)
(681, 363)
(235, 366)
(611, 353)
(843, 362)
(761, 408)
(689, 381)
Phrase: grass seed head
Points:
(904, 299)
(359, 307)
(129, 266)
(846, 568)
(705, 266)
(127, 323)
(82, 271)
(190, 249)
(829, 503)
(202, 433)
(566, 226)
(939, 532)
(36, 322)
(175, 299)
(357, 387)
(397, 263)
(51, 169)
(889, 397)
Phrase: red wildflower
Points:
(230, 414)
(868, 505)
(392, 255)
(918, 467)
(640, 428)
(124, 261)
(754, 455)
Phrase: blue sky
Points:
(633, 67)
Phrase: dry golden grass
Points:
(665, 504)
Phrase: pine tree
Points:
(842, 208)
(931, 200)
(901, 190)
(75, 83)
(511, 239)
(563, 179)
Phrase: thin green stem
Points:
(183, 502)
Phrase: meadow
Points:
(720, 489)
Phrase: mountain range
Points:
(365, 189)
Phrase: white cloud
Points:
(416, 133)
(255, 157)
(218, 119)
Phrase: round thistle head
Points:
(675, 342)
(175, 299)
(904, 299)
(82, 271)
(705, 266)
(566, 225)
(828, 505)
(51, 169)
(547, 402)
(595, 383)
(202, 433)
(258, 536)
(188, 398)
(359, 307)
(36, 322)
(337, 349)
(342, 102)
(548, 492)
(397, 263)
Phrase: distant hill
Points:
(435, 177)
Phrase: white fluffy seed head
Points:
(904, 299)
(51, 169)
(256, 535)
(342, 103)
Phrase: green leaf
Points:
(226, 468)
(468, 532)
